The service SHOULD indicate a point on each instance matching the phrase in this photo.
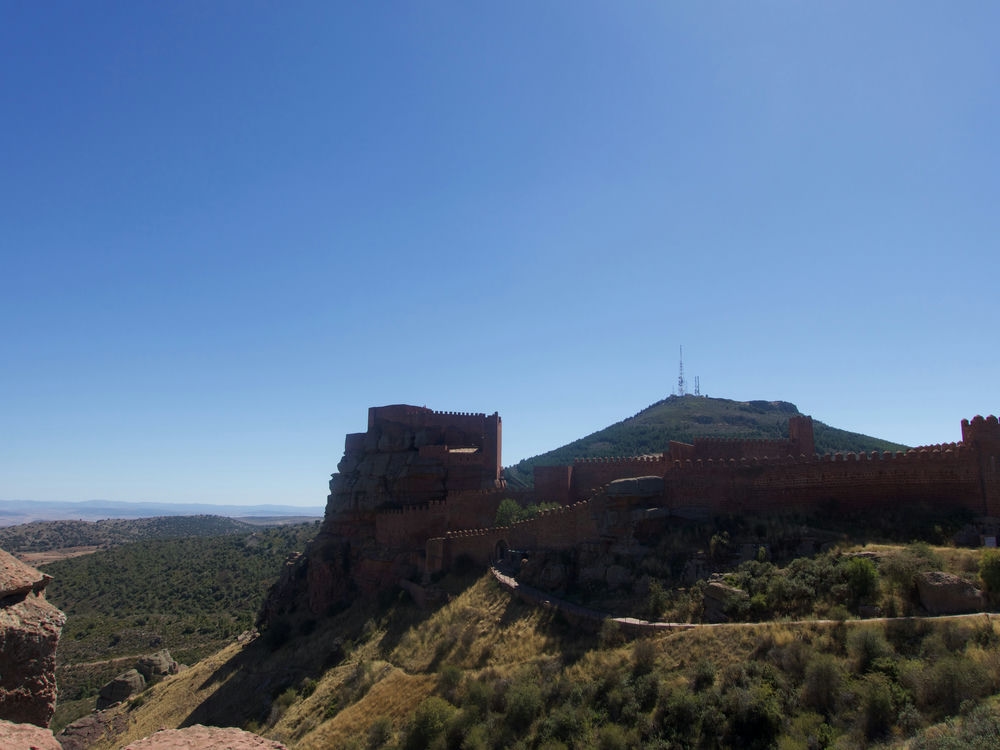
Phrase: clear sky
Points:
(228, 228)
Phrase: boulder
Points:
(719, 598)
(202, 736)
(947, 594)
(156, 666)
(26, 737)
(29, 633)
(99, 726)
(120, 688)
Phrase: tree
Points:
(508, 513)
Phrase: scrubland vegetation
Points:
(796, 668)
(190, 595)
(486, 671)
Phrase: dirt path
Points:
(38, 559)
(635, 625)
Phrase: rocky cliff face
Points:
(29, 634)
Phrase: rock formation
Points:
(947, 594)
(26, 737)
(126, 684)
(29, 634)
(155, 667)
(397, 484)
(148, 670)
(200, 736)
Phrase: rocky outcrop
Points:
(26, 737)
(148, 670)
(720, 599)
(202, 736)
(29, 633)
(947, 594)
(155, 667)
(120, 688)
(96, 727)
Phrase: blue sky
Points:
(229, 228)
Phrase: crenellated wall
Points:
(421, 488)
(556, 529)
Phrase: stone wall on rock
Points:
(29, 633)
(963, 475)
(419, 490)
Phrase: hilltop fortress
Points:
(419, 490)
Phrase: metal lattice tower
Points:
(680, 377)
(697, 386)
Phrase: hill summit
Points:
(683, 418)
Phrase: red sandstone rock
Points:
(26, 737)
(199, 737)
(946, 594)
(29, 634)
(92, 728)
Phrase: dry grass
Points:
(168, 703)
(485, 635)
(395, 696)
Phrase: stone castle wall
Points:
(962, 475)
(420, 489)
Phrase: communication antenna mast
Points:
(680, 377)
(697, 386)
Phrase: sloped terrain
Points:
(486, 671)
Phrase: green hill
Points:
(684, 418)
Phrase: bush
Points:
(866, 645)
(877, 710)
(508, 513)
(822, 685)
(524, 701)
(989, 571)
(862, 579)
(429, 722)
(380, 732)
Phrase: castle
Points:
(419, 490)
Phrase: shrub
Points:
(876, 706)
(643, 656)
(862, 578)
(822, 685)
(449, 679)
(989, 571)
(380, 732)
(508, 512)
(429, 722)
(866, 645)
(704, 676)
(524, 701)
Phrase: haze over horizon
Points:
(231, 228)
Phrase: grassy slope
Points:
(506, 675)
(684, 419)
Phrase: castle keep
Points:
(420, 489)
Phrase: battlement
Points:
(981, 430)
(620, 460)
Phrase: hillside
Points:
(190, 595)
(685, 418)
(44, 536)
(488, 671)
